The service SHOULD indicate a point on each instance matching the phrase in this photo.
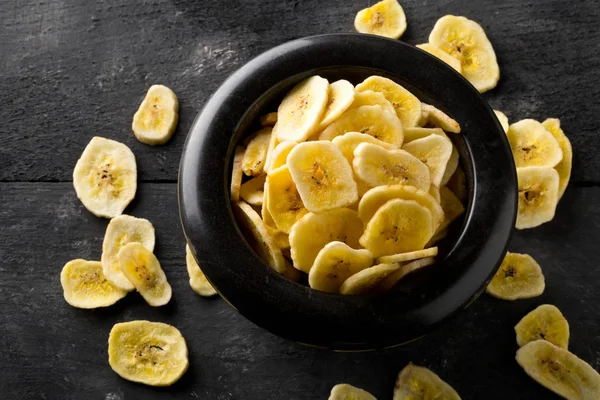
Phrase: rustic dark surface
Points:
(71, 70)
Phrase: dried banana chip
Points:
(198, 281)
(253, 191)
(452, 207)
(282, 239)
(440, 119)
(434, 192)
(236, 174)
(385, 18)
(451, 166)
(280, 153)
(284, 202)
(156, 119)
(84, 285)
(371, 98)
(270, 149)
(544, 323)
(532, 145)
(433, 151)
(268, 120)
(415, 133)
(564, 166)
(367, 280)
(538, 196)
(519, 277)
(255, 157)
(416, 382)
(392, 279)
(410, 256)
(442, 55)
(335, 263)
(142, 269)
(340, 98)
(343, 391)
(147, 352)
(503, 120)
(105, 177)
(348, 142)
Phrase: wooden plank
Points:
(52, 350)
(76, 69)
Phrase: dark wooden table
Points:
(72, 69)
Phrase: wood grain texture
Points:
(73, 69)
(54, 351)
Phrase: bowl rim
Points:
(297, 312)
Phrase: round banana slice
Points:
(284, 202)
(142, 269)
(377, 166)
(258, 237)
(371, 98)
(198, 281)
(399, 226)
(255, 157)
(302, 109)
(544, 323)
(105, 177)
(371, 120)
(559, 370)
(236, 174)
(407, 105)
(385, 18)
(434, 151)
(519, 277)
(156, 119)
(375, 198)
(411, 134)
(367, 280)
(335, 263)
(466, 40)
(538, 196)
(458, 185)
(532, 145)
(434, 192)
(147, 352)
(253, 191)
(268, 120)
(313, 231)
(280, 153)
(564, 166)
(451, 166)
(440, 119)
(343, 391)
(120, 231)
(340, 98)
(503, 120)
(442, 55)
(392, 280)
(452, 206)
(416, 382)
(322, 176)
(410, 256)
(84, 285)
(348, 142)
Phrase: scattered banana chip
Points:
(313, 231)
(156, 119)
(120, 231)
(399, 226)
(538, 196)
(452, 207)
(503, 120)
(440, 119)
(392, 279)
(280, 153)
(544, 323)
(340, 98)
(84, 285)
(564, 166)
(532, 145)
(252, 191)
(147, 352)
(385, 18)
(407, 105)
(415, 133)
(458, 184)
(466, 40)
(284, 202)
(343, 391)
(410, 256)
(519, 277)
(559, 370)
(255, 156)
(300, 112)
(442, 55)
(434, 151)
(198, 281)
(370, 120)
(236, 174)
(268, 120)
(416, 382)
(105, 177)
(377, 166)
(322, 176)
(451, 166)
(371, 98)
(142, 269)
(335, 263)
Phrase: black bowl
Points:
(471, 254)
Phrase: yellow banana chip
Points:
(411, 134)
(280, 153)
(442, 55)
(367, 280)
(198, 281)
(268, 120)
(452, 207)
(435, 152)
(343, 391)
(340, 98)
(392, 279)
(252, 191)
(284, 202)
(519, 277)
(434, 192)
(255, 156)
(544, 323)
(458, 185)
(563, 168)
(440, 119)
(416, 382)
(538, 196)
(503, 120)
(385, 18)
(532, 145)
(236, 174)
(156, 119)
(451, 166)
(410, 256)
(371, 98)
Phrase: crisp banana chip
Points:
(385, 18)
(258, 237)
(416, 382)
(270, 149)
(519, 277)
(340, 98)
(147, 352)
(466, 40)
(313, 231)
(335, 263)
(544, 323)
(452, 207)
(370, 120)
(538, 196)
(343, 391)
(264, 211)
(442, 55)
(458, 185)
(105, 177)
(252, 191)
(440, 119)
(377, 166)
(300, 112)
(407, 105)
(564, 166)
(84, 285)
(392, 279)
(284, 202)
(198, 281)
(142, 269)
(236, 174)
(268, 120)
(434, 151)
(503, 120)
(322, 176)
(399, 226)
(280, 153)
(255, 157)
(367, 280)
(120, 231)
(532, 145)
(371, 98)
(281, 238)
(410, 256)
(156, 119)
(559, 370)
(434, 192)
(451, 166)
(411, 134)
